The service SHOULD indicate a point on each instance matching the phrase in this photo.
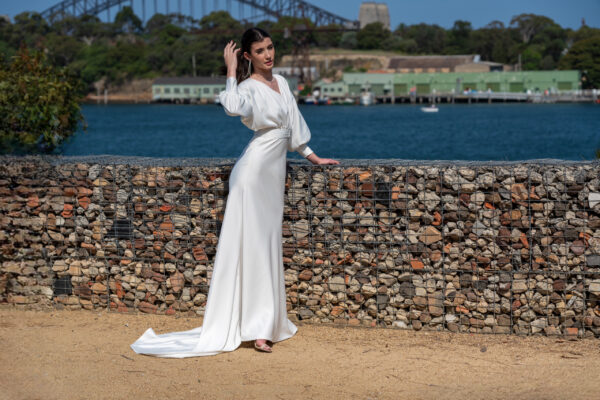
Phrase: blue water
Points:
(456, 132)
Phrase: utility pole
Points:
(194, 64)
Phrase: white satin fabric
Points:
(246, 299)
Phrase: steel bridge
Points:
(259, 9)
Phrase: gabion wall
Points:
(464, 247)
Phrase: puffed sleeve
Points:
(234, 101)
(300, 132)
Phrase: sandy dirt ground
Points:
(86, 355)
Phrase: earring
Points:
(249, 68)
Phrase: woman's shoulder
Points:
(245, 85)
(281, 79)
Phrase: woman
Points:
(246, 299)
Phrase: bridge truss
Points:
(259, 9)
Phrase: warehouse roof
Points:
(432, 61)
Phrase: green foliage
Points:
(372, 36)
(429, 39)
(348, 40)
(127, 22)
(459, 37)
(584, 55)
(114, 52)
(39, 104)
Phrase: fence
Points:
(468, 247)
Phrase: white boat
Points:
(310, 100)
(430, 109)
(367, 98)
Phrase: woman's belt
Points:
(273, 133)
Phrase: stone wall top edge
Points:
(215, 161)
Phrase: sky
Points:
(567, 13)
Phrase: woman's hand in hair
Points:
(230, 54)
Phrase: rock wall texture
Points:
(486, 248)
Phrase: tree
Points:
(493, 42)
(372, 35)
(429, 39)
(459, 38)
(39, 104)
(529, 25)
(584, 55)
(127, 22)
(348, 40)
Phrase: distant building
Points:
(295, 72)
(194, 89)
(458, 63)
(187, 89)
(374, 12)
(422, 84)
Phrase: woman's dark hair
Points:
(250, 36)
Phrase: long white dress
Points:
(246, 299)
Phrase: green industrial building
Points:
(187, 89)
(426, 84)
(193, 89)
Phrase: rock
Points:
(122, 196)
(300, 229)
(305, 275)
(368, 290)
(519, 192)
(59, 266)
(337, 284)
(544, 287)
(420, 301)
(176, 281)
(180, 221)
(478, 228)
(578, 247)
(594, 287)
(399, 324)
(94, 171)
(538, 325)
(593, 199)
(450, 318)
(305, 313)
(436, 304)
(491, 296)
(593, 261)
(416, 264)
(147, 307)
(429, 199)
(477, 323)
(430, 235)
(387, 279)
(519, 286)
(199, 254)
(99, 288)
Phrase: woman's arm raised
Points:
(231, 99)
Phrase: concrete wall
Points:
(484, 248)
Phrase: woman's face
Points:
(262, 54)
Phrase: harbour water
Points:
(457, 132)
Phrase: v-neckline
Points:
(270, 88)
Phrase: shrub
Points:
(39, 104)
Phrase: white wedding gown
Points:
(246, 299)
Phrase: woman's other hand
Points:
(326, 161)
(230, 54)
(313, 158)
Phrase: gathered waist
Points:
(273, 133)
